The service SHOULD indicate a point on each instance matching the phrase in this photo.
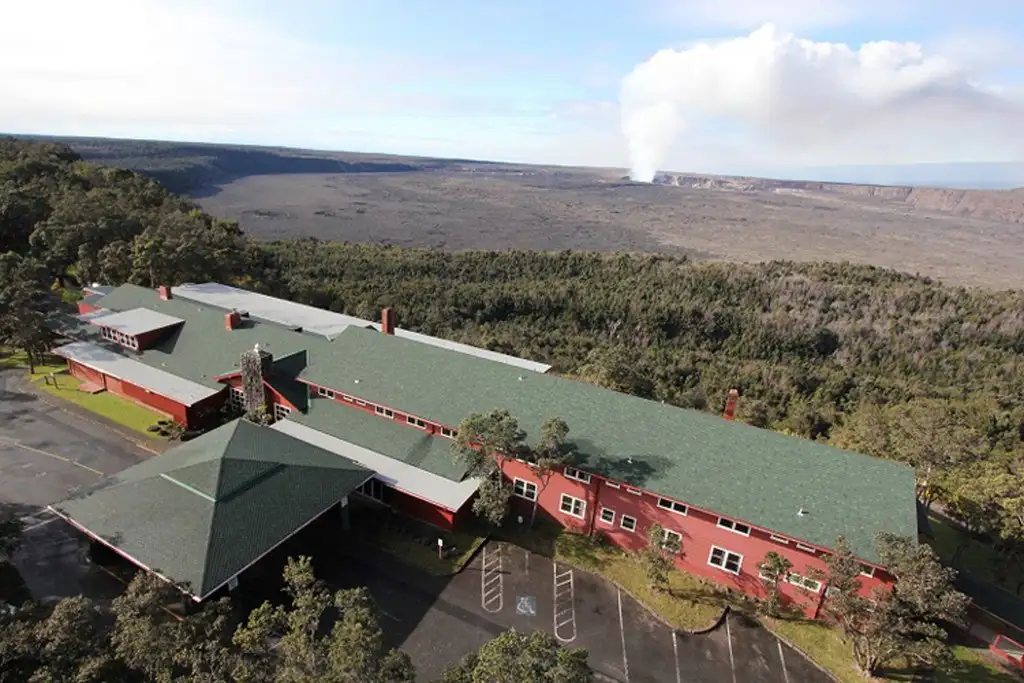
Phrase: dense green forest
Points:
(870, 359)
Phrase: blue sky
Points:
(553, 82)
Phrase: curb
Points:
(800, 651)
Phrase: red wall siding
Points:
(421, 509)
(148, 339)
(86, 308)
(159, 403)
(699, 531)
(198, 414)
(85, 374)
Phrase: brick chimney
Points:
(232, 320)
(165, 292)
(387, 321)
(730, 404)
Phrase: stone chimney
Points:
(232, 320)
(730, 404)
(387, 321)
(165, 292)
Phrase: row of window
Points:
(385, 412)
(236, 399)
(804, 582)
(121, 338)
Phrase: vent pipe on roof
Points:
(730, 404)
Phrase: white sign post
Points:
(440, 549)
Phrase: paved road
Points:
(46, 452)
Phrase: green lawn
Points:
(19, 359)
(414, 552)
(978, 558)
(692, 604)
(113, 407)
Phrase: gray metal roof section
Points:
(399, 475)
(268, 309)
(171, 386)
(95, 315)
(138, 321)
(324, 323)
(96, 288)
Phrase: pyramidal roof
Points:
(209, 508)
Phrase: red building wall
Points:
(699, 531)
(161, 404)
(86, 308)
(423, 510)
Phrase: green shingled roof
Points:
(750, 474)
(202, 348)
(205, 510)
(380, 435)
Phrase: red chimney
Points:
(165, 292)
(730, 404)
(387, 321)
(232, 320)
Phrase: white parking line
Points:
(675, 653)
(39, 524)
(622, 632)
(565, 604)
(782, 657)
(492, 579)
(732, 662)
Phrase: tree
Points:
(287, 642)
(773, 569)
(655, 560)
(25, 300)
(904, 622)
(515, 657)
(483, 441)
(551, 454)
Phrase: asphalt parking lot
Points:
(439, 620)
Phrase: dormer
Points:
(135, 329)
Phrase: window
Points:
(448, 433)
(236, 399)
(725, 559)
(578, 475)
(281, 411)
(611, 484)
(608, 515)
(806, 548)
(666, 504)
(373, 488)
(572, 506)
(867, 571)
(779, 539)
(831, 592)
(628, 523)
(386, 412)
(133, 343)
(415, 421)
(524, 489)
(324, 391)
(736, 527)
(360, 402)
(672, 541)
(635, 492)
(346, 397)
(804, 582)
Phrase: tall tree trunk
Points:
(31, 361)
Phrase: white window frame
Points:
(415, 422)
(346, 397)
(622, 523)
(673, 506)
(731, 524)
(868, 571)
(576, 475)
(360, 402)
(448, 433)
(325, 392)
(236, 399)
(805, 548)
(801, 581)
(669, 533)
(725, 560)
(526, 486)
(572, 506)
(384, 412)
(611, 520)
(779, 539)
(611, 484)
(635, 492)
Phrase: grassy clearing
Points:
(108, 405)
(423, 556)
(693, 604)
(976, 557)
(10, 358)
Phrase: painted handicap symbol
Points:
(527, 605)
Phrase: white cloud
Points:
(806, 102)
